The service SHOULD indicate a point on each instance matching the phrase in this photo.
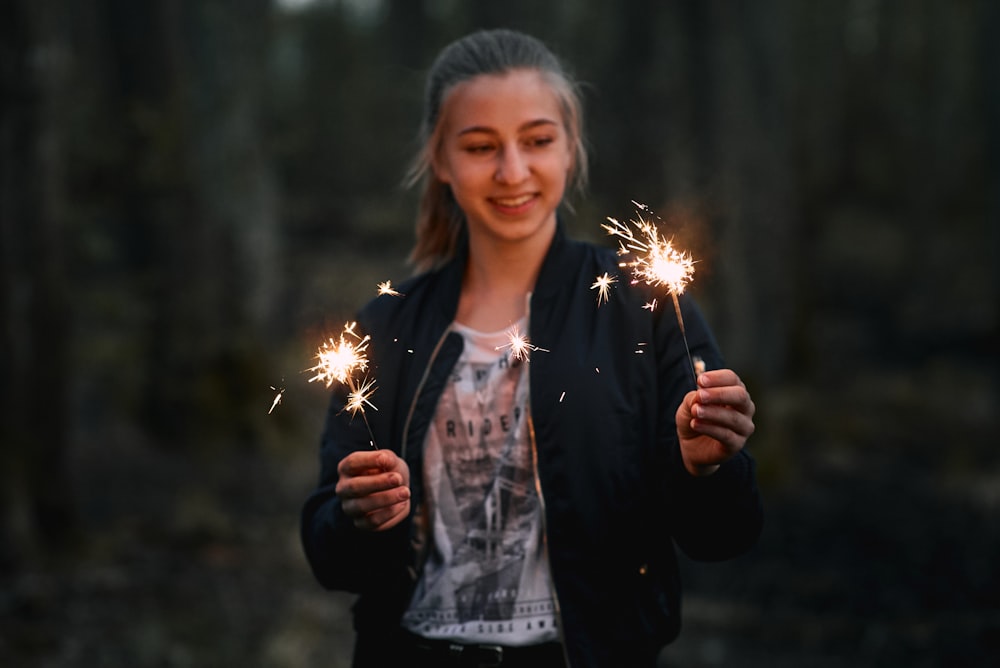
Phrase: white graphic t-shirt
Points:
(486, 578)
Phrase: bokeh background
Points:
(195, 193)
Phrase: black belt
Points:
(451, 653)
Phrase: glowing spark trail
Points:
(385, 288)
(277, 398)
(656, 262)
(518, 344)
(603, 286)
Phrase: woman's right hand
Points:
(374, 489)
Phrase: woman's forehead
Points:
(515, 97)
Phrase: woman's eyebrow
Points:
(476, 128)
(529, 125)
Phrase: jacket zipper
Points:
(545, 538)
(420, 388)
(541, 502)
(421, 553)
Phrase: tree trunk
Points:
(34, 341)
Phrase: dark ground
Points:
(879, 550)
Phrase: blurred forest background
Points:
(195, 193)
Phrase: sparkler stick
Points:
(656, 263)
(680, 322)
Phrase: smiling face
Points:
(505, 153)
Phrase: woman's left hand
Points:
(714, 421)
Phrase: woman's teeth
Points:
(513, 201)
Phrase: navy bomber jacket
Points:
(616, 495)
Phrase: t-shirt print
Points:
(486, 576)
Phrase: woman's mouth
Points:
(513, 204)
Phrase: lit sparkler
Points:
(655, 262)
(519, 345)
(339, 360)
(603, 286)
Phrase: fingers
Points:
(371, 484)
(731, 434)
(381, 518)
(374, 488)
(366, 462)
(720, 409)
(724, 388)
(374, 501)
(735, 415)
(376, 522)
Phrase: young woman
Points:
(523, 509)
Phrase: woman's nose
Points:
(512, 167)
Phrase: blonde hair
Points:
(439, 219)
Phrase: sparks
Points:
(603, 286)
(277, 398)
(519, 345)
(360, 396)
(340, 358)
(656, 262)
(385, 288)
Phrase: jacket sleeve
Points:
(712, 517)
(718, 516)
(341, 555)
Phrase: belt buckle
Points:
(490, 656)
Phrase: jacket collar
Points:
(450, 276)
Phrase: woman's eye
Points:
(479, 149)
(540, 142)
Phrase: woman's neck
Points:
(495, 286)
